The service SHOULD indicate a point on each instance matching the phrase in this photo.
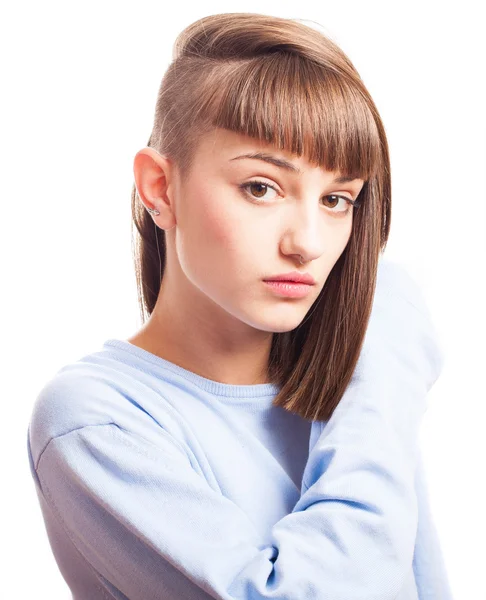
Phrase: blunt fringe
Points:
(285, 83)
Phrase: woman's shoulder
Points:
(402, 314)
(95, 390)
(395, 281)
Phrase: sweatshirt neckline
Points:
(214, 387)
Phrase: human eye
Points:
(348, 204)
(256, 184)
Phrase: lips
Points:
(293, 277)
(290, 289)
(287, 281)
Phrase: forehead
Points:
(232, 149)
(225, 144)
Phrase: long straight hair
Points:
(286, 83)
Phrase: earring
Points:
(153, 211)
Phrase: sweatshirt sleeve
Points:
(429, 565)
(367, 455)
(153, 528)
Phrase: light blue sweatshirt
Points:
(156, 483)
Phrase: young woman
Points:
(255, 439)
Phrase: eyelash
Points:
(341, 213)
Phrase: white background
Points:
(79, 83)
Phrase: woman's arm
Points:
(376, 427)
(431, 573)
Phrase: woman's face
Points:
(228, 239)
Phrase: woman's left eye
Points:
(262, 184)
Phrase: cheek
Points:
(215, 250)
(340, 241)
(210, 232)
(222, 229)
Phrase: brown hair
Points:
(283, 82)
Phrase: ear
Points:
(153, 178)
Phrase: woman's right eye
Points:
(257, 186)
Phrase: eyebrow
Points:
(288, 166)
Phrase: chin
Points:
(274, 323)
